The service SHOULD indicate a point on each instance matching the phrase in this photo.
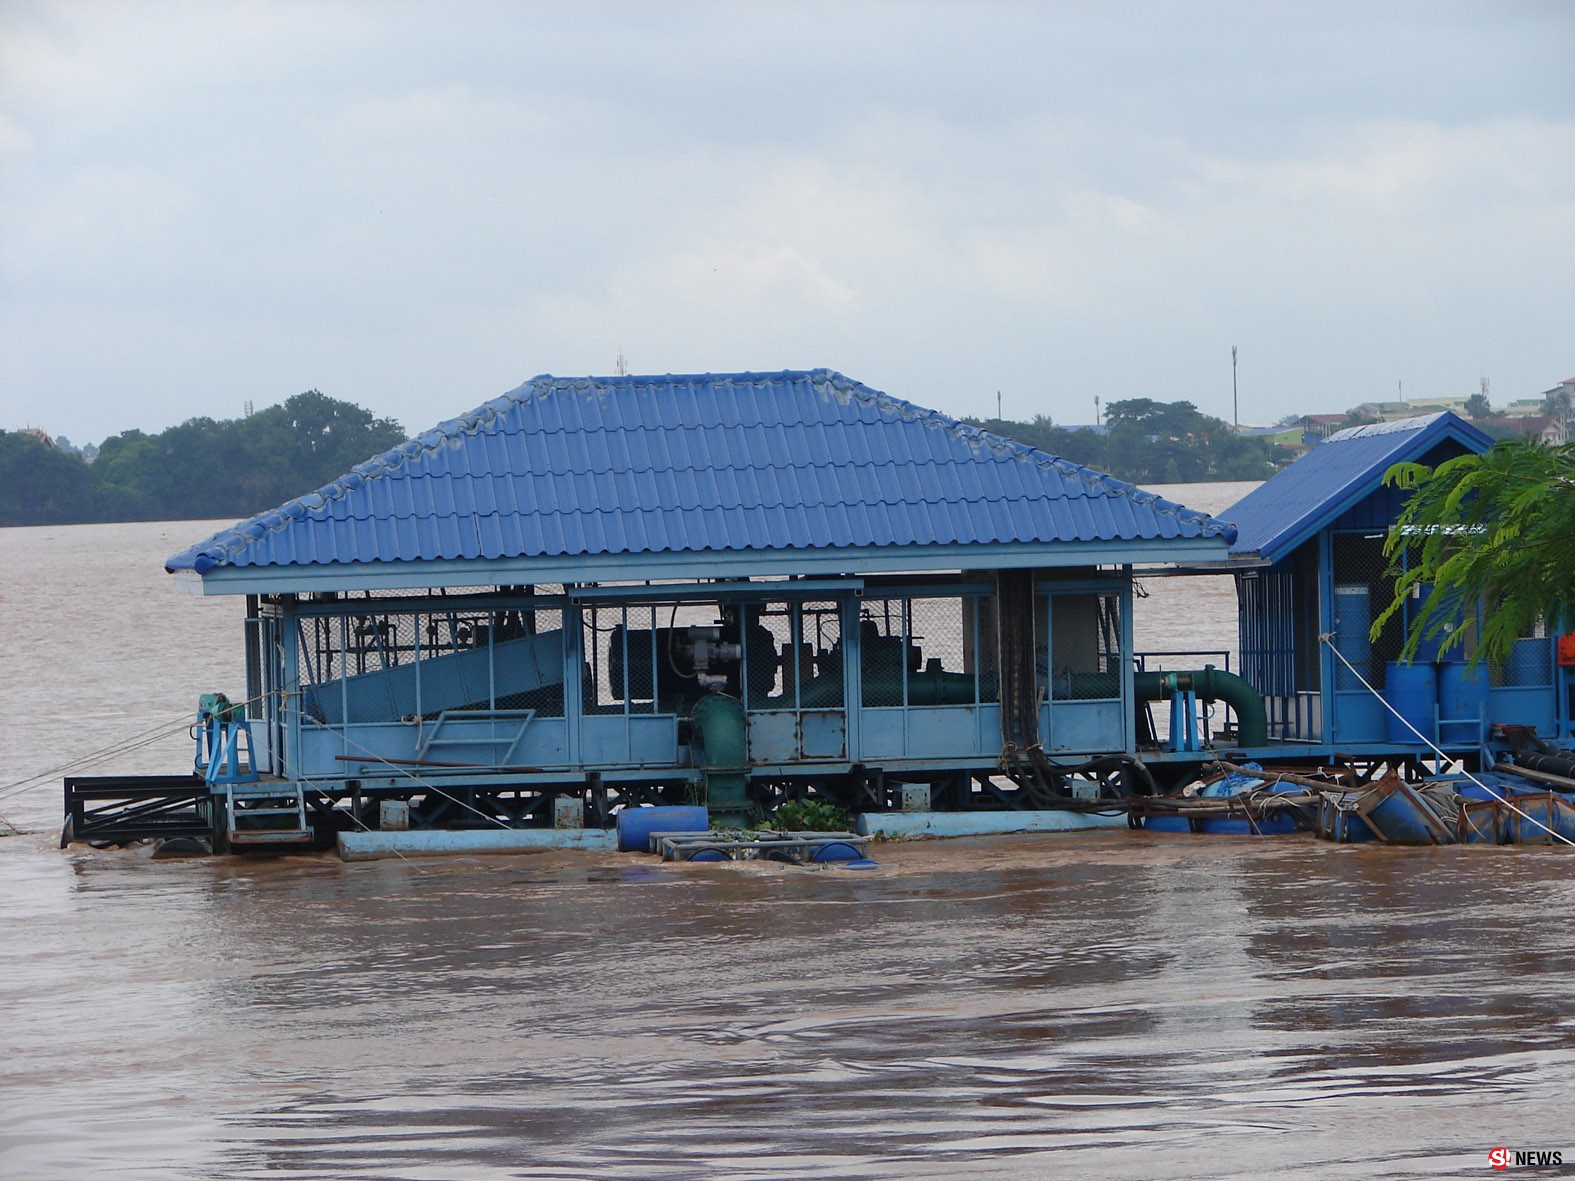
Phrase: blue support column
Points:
(1184, 721)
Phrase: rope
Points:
(1558, 836)
(134, 742)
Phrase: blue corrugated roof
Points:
(1276, 517)
(693, 464)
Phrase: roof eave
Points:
(418, 575)
(1277, 548)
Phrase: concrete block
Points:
(393, 816)
(369, 846)
(568, 812)
(970, 824)
(915, 797)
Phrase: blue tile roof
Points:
(1276, 517)
(694, 464)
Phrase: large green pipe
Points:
(719, 727)
(1211, 684)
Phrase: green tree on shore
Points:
(202, 468)
(41, 485)
(1149, 442)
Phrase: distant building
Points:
(1383, 411)
(1543, 427)
(1524, 407)
(1292, 437)
(1318, 427)
(1410, 408)
(1455, 403)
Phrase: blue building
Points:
(596, 592)
(1312, 577)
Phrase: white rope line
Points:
(1558, 836)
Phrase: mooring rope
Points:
(1558, 836)
(124, 746)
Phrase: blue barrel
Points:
(635, 825)
(1413, 690)
(1427, 648)
(1353, 617)
(1462, 700)
(837, 851)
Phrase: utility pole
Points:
(998, 417)
(1235, 405)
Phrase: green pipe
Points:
(719, 739)
(1211, 684)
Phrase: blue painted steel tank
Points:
(1413, 690)
(1462, 700)
(635, 825)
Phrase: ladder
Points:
(265, 813)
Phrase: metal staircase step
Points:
(267, 814)
(270, 836)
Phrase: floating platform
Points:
(437, 842)
(794, 848)
(982, 823)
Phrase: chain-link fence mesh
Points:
(1082, 661)
(928, 651)
(768, 683)
(817, 665)
(1363, 587)
(501, 672)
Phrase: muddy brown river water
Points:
(1095, 1005)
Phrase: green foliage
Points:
(1491, 529)
(40, 485)
(1173, 443)
(806, 815)
(203, 468)
(1149, 442)
(1478, 406)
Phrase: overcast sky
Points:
(416, 207)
